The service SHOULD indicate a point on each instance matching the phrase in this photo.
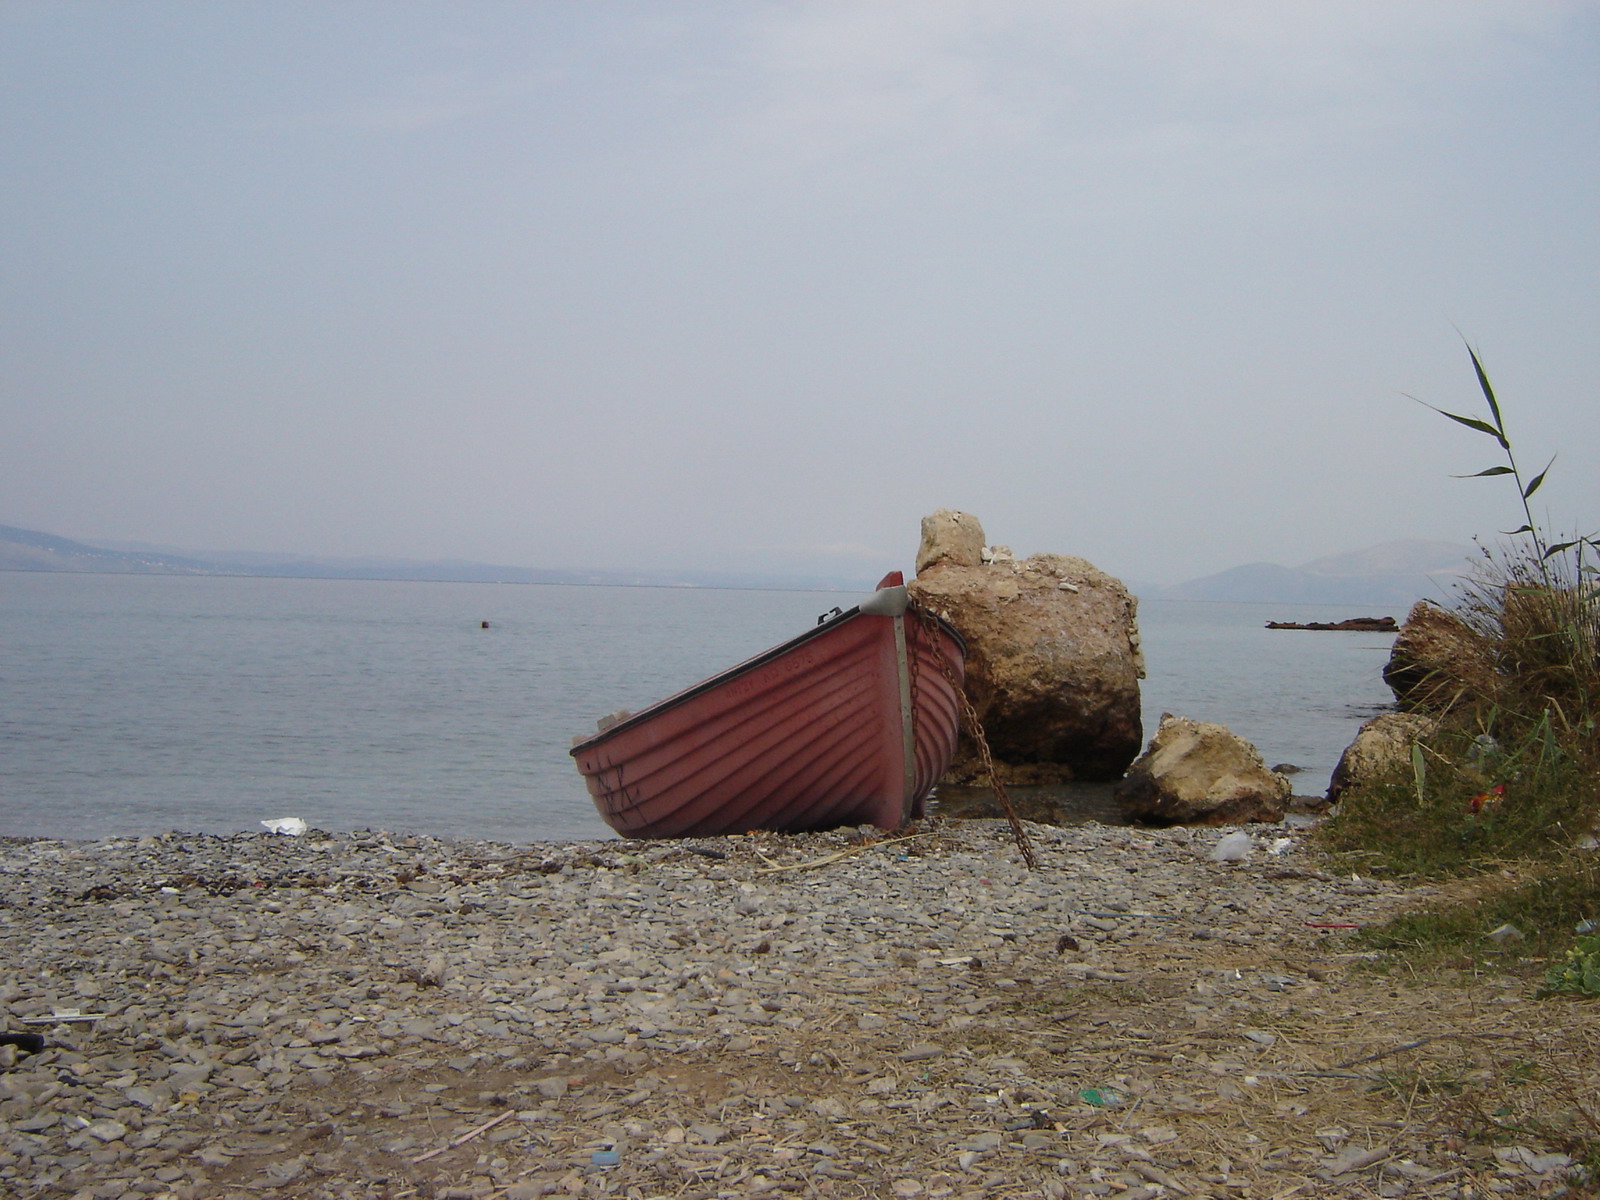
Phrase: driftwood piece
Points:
(830, 858)
(467, 1136)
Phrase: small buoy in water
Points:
(483, 625)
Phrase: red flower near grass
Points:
(1487, 799)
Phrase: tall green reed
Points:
(1535, 602)
(1505, 792)
(1495, 427)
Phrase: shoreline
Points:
(1053, 806)
(383, 1015)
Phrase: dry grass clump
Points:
(1536, 624)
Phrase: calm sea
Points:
(140, 704)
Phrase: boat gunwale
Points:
(729, 674)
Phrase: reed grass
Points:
(1536, 600)
(1506, 792)
(1499, 811)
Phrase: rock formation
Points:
(1350, 625)
(1382, 746)
(1197, 773)
(950, 536)
(1053, 658)
(1436, 660)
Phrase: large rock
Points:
(1197, 773)
(1053, 658)
(1437, 661)
(950, 536)
(1382, 747)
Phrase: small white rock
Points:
(106, 1130)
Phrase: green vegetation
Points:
(1540, 901)
(1578, 971)
(1505, 796)
(1536, 608)
(1499, 808)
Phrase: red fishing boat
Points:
(850, 723)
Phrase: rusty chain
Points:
(974, 726)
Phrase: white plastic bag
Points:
(1235, 847)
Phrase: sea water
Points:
(134, 704)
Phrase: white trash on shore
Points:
(1234, 847)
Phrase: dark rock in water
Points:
(1352, 625)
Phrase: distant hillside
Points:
(29, 550)
(1394, 573)
(26, 550)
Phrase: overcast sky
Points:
(756, 285)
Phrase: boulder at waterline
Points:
(1053, 656)
(1199, 773)
(1382, 747)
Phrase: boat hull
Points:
(825, 730)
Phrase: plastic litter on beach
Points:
(1100, 1097)
(293, 826)
(64, 1016)
(1235, 847)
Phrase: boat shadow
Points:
(1046, 804)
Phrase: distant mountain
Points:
(29, 550)
(1394, 573)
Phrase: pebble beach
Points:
(843, 1014)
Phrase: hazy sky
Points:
(756, 285)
